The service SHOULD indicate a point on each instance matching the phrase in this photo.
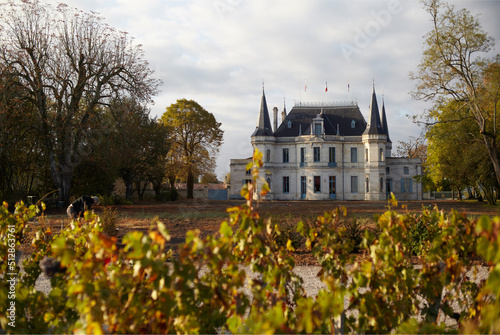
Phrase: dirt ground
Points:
(205, 215)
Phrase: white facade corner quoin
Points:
(328, 151)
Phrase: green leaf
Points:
(225, 230)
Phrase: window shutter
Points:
(402, 185)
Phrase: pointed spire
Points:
(264, 122)
(384, 121)
(374, 126)
(283, 113)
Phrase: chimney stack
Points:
(275, 114)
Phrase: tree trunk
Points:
(157, 188)
(127, 180)
(171, 180)
(493, 153)
(138, 189)
(141, 190)
(190, 185)
(62, 176)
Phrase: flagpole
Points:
(305, 90)
(349, 91)
(326, 93)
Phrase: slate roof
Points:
(264, 122)
(301, 120)
(374, 125)
(385, 127)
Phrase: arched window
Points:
(289, 124)
(268, 155)
(367, 185)
(353, 124)
(381, 154)
(381, 185)
(366, 155)
(269, 182)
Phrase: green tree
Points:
(457, 156)
(197, 135)
(139, 146)
(451, 69)
(68, 64)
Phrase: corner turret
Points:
(374, 127)
(264, 127)
(384, 121)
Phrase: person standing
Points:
(80, 205)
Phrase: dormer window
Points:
(353, 124)
(317, 129)
(289, 124)
(318, 125)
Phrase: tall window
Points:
(331, 182)
(406, 170)
(354, 184)
(317, 157)
(367, 185)
(406, 185)
(302, 155)
(354, 155)
(317, 184)
(381, 154)
(366, 155)
(381, 185)
(317, 129)
(285, 155)
(286, 184)
(268, 155)
(331, 154)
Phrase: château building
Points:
(323, 151)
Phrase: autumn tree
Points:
(452, 70)
(196, 136)
(457, 157)
(138, 146)
(68, 64)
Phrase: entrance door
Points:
(389, 187)
(331, 184)
(303, 187)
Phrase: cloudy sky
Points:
(220, 52)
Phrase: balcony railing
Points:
(325, 104)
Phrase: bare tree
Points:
(414, 148)
(70, 64)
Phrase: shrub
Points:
(354, 233)
(99, 287)
(169, 195)
(107, 219)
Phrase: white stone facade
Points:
(329, 156)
